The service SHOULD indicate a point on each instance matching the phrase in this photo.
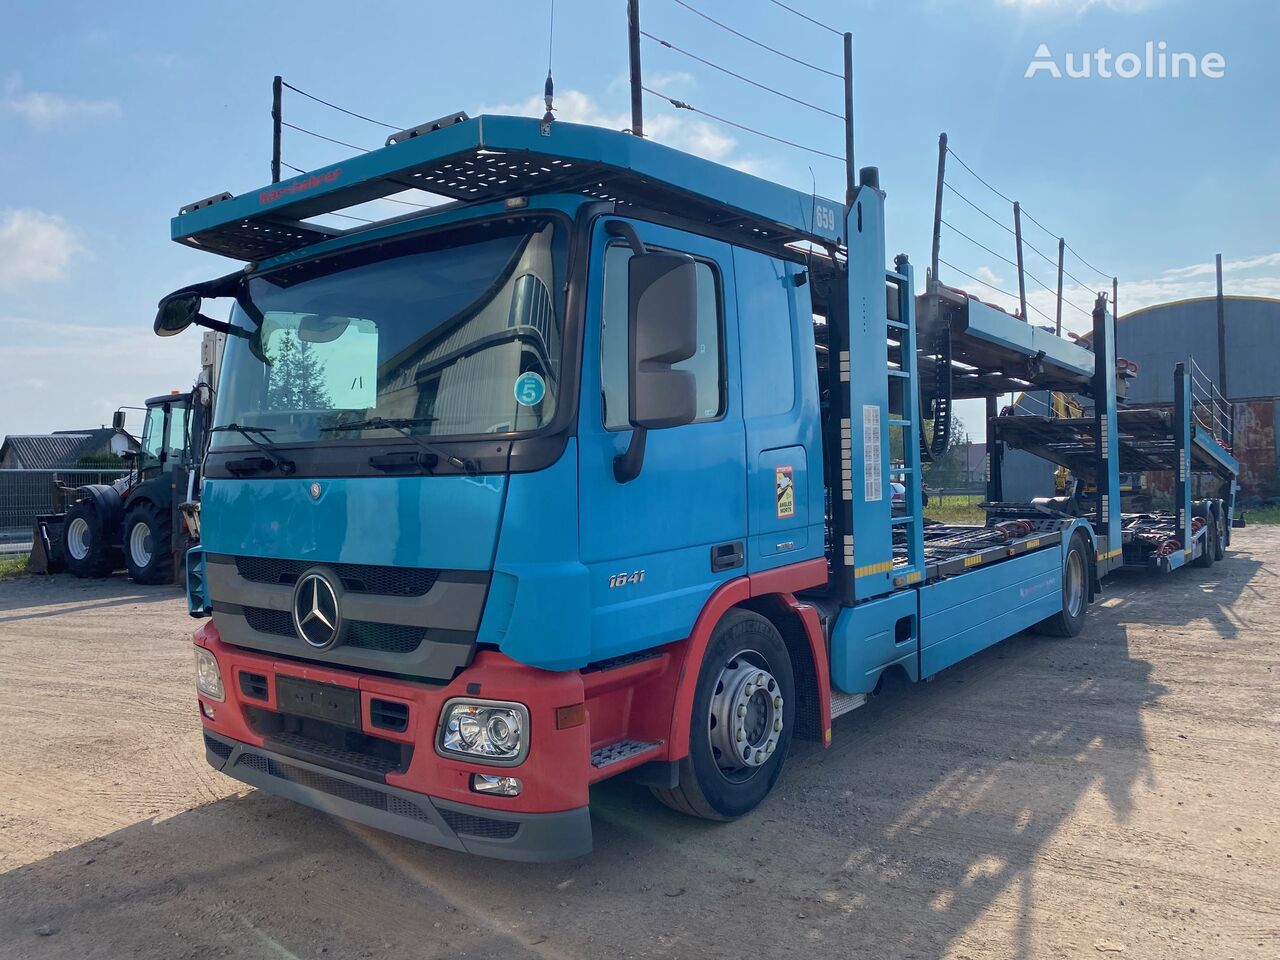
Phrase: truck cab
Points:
(559, 481)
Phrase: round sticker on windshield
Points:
(530, 389)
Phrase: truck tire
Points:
(84, 544)
(1209, 553)
(1224, 531)
(1075, 592)
(148, 543)
(741, 724)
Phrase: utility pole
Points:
(850, 180)
(1022, 279)
(937, 203)
(1221, 332)
(633, 54)
(276, 91)
(1057, 325)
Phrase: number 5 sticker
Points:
(530, 389)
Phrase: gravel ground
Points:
(1115, 794)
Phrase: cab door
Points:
(657, 546)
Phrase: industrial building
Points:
(1163, 335)
(1160, 336)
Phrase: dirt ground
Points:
(1111, 795)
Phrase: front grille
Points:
(253, 685)
(388, 637)
(475, 826)
(366, 796)
(385, 637)
(389, 715)
(328, 755)
(217, 747)
(356, 577)
(279, 622)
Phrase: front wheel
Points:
(84, 543)
(1075, 593)
(743, 716)
(148, 544)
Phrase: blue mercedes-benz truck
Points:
(587, 472)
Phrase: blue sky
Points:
(113, 116)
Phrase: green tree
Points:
(297, 377)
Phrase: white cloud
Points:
(34, 247)
(67, 376)
(1251, 277)
(698, 137)
(45, 110)
(988, 276)
(1228, 266)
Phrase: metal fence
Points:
(26, 493)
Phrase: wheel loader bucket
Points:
(45, 537)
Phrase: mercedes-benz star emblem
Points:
(316, 616)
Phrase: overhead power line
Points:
(763, 46)
(738, 76)
(350, 113)
(682, 105)
(805, 16)
(321, 136)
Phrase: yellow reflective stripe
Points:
(873, 568)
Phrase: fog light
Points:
(206, 709)
(208, 676)
(501, 786)
(487, 731)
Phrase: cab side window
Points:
(707, 364)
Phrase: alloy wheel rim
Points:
(745, 719)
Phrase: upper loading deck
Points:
(463, 161)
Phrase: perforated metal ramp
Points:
(495, 158)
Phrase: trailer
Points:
(577, 486)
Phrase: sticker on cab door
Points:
(784, 484)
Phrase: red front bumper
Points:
(555, 772)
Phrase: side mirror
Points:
(662, 323)
(128, 456)
(117, 421)
(177, 312)
(662, 328)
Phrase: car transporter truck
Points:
(587, 473)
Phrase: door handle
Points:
(727, 556)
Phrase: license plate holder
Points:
(319, 701)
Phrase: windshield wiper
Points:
(286, 466)
(402, 426)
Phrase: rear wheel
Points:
(148, 544)
(1075, 593)
(743, 715)
(84, 543)
(1209, 548)
(1220, 541)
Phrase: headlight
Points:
(208, 676)
(487, 731)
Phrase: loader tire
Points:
(84, 543)
(148, 544)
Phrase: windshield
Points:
(450, 335)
